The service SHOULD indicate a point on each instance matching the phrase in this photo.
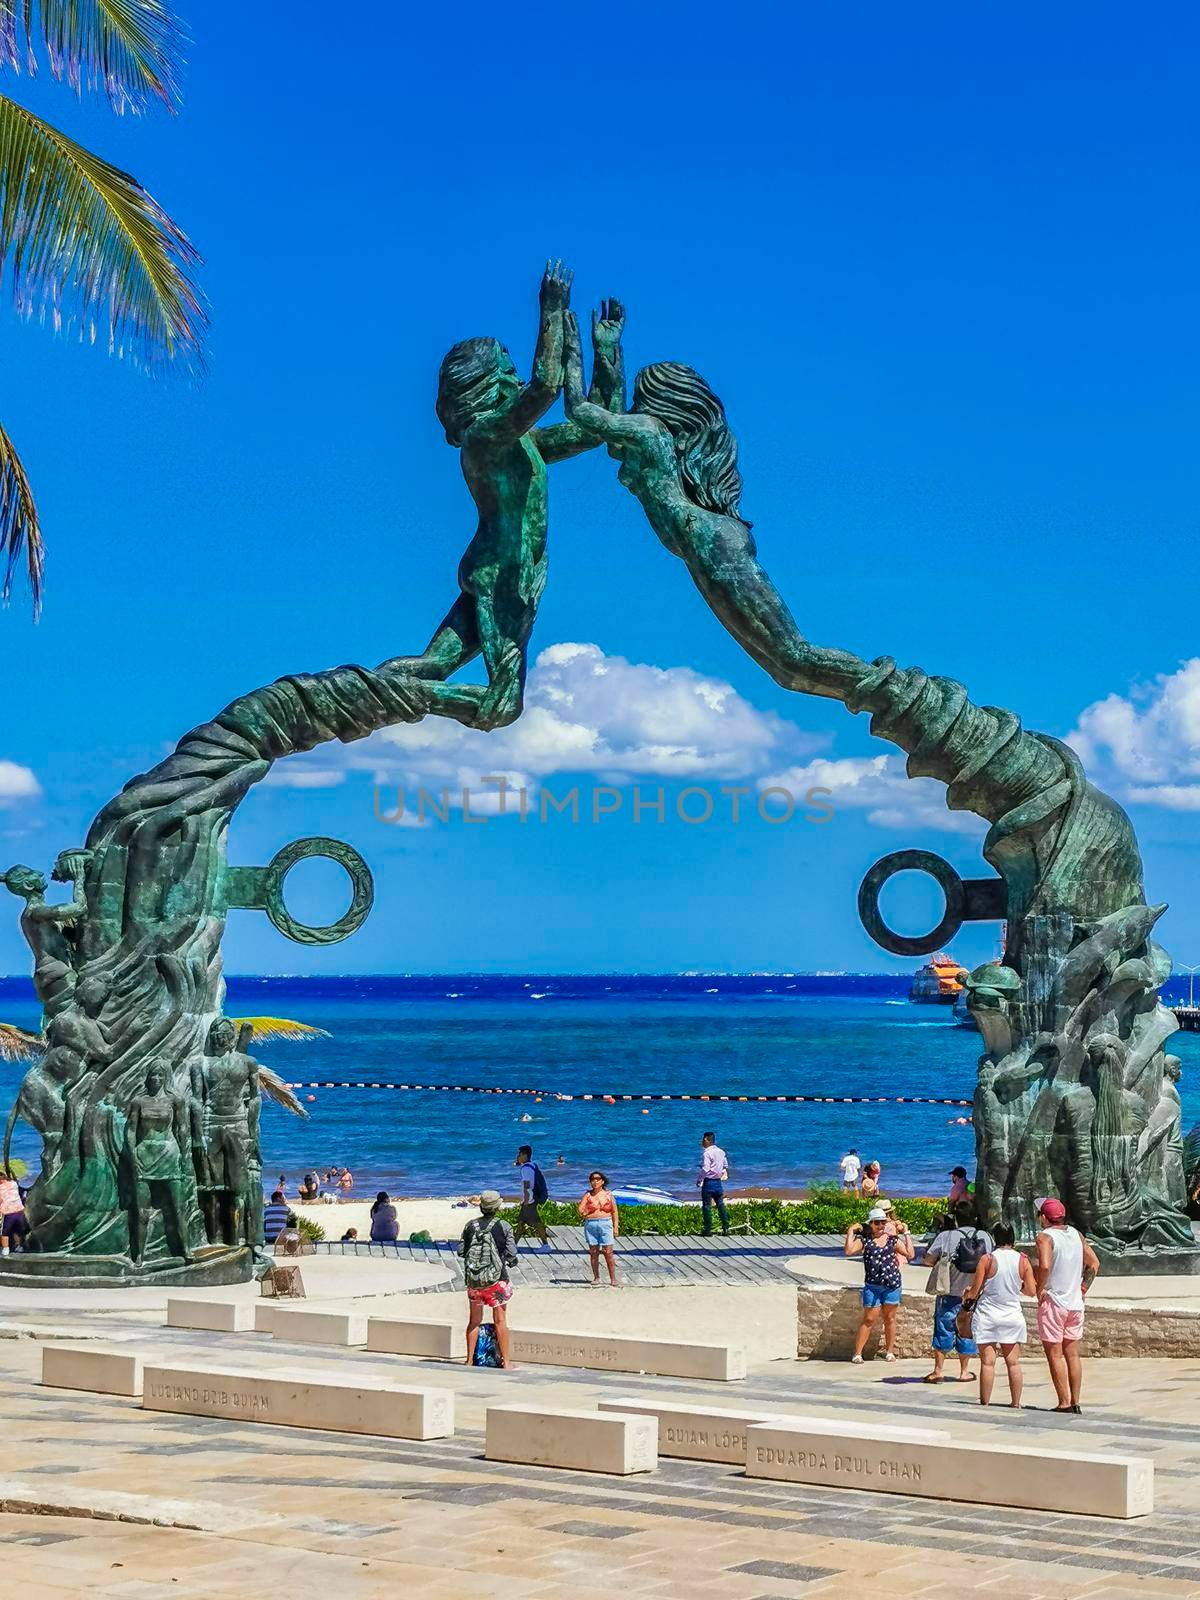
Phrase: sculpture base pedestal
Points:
(211, 1270)
(1143, 1264)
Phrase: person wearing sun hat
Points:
(1066, 1266)
(882, 1280)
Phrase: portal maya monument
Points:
(145, 1097)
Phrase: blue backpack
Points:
(487, 1351)
(540, 1191)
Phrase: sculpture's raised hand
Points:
(555, 293)
(608, 324)
(572, 362)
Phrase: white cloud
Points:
(17, 783)
(1145, 747)
(589, 712)
(878, 786)
(305, 772)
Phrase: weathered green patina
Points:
(145, 1099)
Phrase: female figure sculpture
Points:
(49, 929)
(156, 1136)
(1067, 853)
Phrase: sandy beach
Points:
(442, 1218)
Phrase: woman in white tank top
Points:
(999, 1320)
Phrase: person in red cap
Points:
(1066, 1266)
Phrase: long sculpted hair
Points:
(681, 400)
(469, 384)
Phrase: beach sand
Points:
(441, 1218)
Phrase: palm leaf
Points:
(86, 241)
(16, 1044)
(129, 48)
(278, 1028)
(19, 525)
(273, 1086)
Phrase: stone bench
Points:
(68, 1366)
(214, 1316)
(317, 1327)
(693, 1431)
(584, 1441)
(297, 1400)
(404, 1336)
(985, 1474)
(666, 1358)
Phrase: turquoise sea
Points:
(610, 1035)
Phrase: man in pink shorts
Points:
(1066, 1266)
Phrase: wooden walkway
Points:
(656, 1259)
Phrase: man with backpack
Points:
(488, 1249)
(954, 1254)
(534, 1195)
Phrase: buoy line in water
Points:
(612, 1099)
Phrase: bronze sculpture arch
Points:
(1076, 1094)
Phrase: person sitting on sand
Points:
(350, 1235)
(384, 1220)
(385, 1224)
(275, 1216)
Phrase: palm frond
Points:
(20, 529)
(273, 1086)
(131, 49)
(278, 1028)
(17, 1044)
(85, 241)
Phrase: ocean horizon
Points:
(823, 1036)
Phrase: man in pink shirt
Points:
(710, 1181)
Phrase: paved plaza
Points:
(255, 1508)
(654, 1259)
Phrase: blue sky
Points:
(939, 266)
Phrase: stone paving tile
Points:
(791, 1571)
(654, 1527)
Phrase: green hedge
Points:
(825, 1212)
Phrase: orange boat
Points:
(939, 982)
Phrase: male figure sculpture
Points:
(490, 415)
(225, 1087)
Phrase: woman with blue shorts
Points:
(601, 1225)
(882, 1282)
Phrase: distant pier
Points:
(1188, 1018)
